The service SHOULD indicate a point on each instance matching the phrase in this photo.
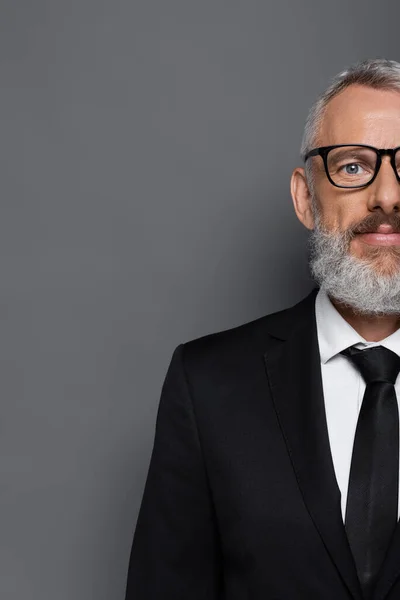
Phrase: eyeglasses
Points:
(354, 166)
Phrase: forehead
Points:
(364, 115)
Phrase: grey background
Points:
(146, 151)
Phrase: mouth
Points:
(380, 239)
(382, 234)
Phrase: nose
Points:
(385, 189)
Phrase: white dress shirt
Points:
(343, 386)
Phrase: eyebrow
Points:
(350, 151)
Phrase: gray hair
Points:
(377, 73)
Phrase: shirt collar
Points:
(335, 333)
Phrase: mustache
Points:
(371, 223)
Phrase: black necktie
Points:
(372, 501)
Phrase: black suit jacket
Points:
(241, 500)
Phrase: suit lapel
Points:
(390, 569)
(294, 372)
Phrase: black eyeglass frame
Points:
(323, 151)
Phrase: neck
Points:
(371, 327)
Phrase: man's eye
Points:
(352, 169)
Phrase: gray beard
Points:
(350, 280)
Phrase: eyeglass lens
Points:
(353, 165)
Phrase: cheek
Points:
(340, 210)
(331, 215)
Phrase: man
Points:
(275, 467)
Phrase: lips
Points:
(383, 228)
(380, 239)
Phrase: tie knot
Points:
(375, 364)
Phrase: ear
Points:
(301, 196)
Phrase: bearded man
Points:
(275, 467)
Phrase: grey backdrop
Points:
(146, 150)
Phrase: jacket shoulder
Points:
(245, 339)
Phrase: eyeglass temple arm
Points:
(314, 152)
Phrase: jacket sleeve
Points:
(175, 551)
